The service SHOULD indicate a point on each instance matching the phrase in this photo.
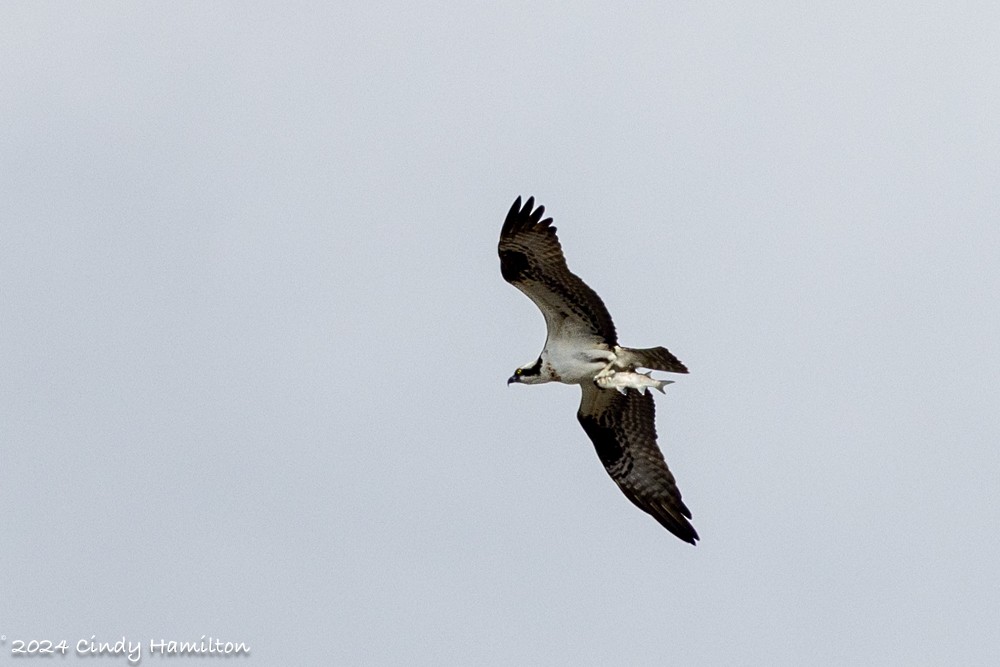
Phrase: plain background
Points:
(255, 338)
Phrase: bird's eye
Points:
(518, 371)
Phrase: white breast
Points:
(572, 363)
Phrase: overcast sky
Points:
(255, 338)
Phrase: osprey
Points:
(581, 347)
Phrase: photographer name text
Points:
(132, 651)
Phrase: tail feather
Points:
(654, 358)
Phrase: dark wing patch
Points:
(623, 430)
(532, 260)
(513, 265)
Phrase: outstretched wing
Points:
(532, 260)
(623, 429)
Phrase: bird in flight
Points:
(581, 347)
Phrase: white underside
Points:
(566, 362)
(573, 364)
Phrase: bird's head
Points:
(528, 374)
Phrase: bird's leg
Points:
(605, 372)
(609, 368)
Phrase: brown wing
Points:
(532, 260)
(623, 429)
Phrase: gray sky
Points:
(255, 337)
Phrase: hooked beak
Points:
(513, 379)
